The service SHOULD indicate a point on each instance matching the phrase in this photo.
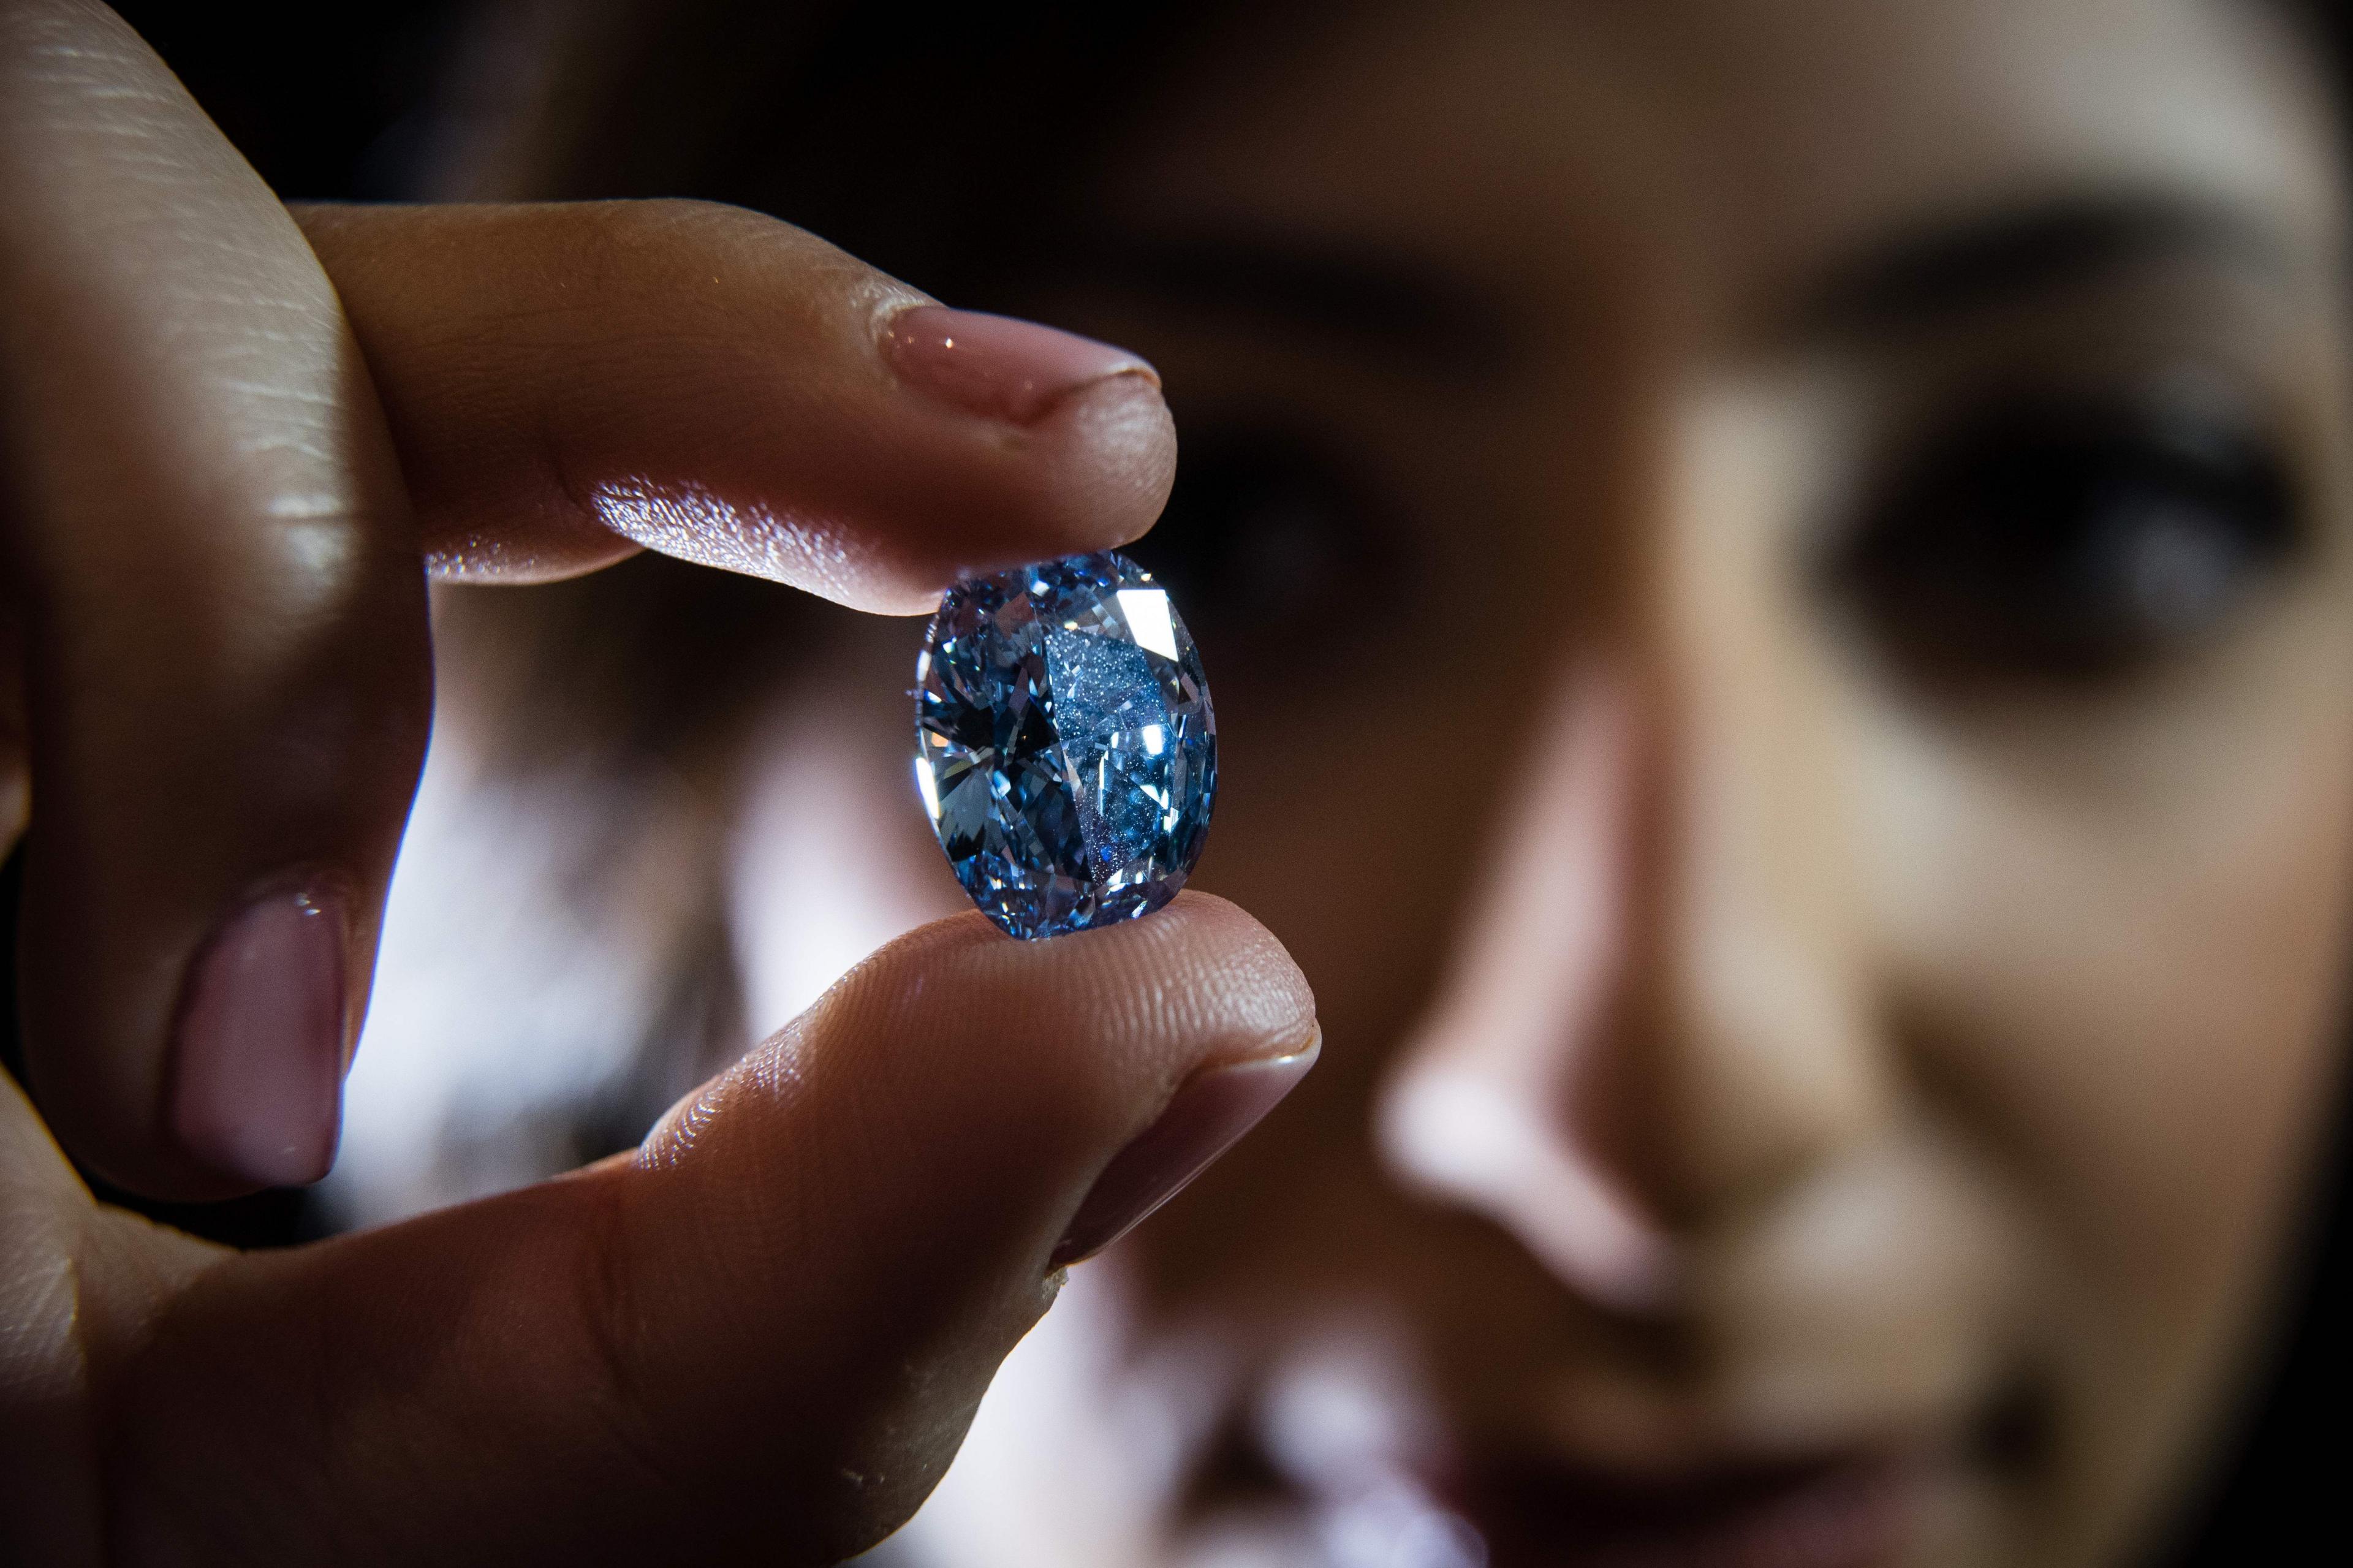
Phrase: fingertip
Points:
(1000, 367)
(1092, 472)
(1199, 972)
(1123, 444)
(1237, 970)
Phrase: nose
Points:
(1657, 1015)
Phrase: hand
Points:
(235, 440)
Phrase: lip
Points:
(1337, 1449)
(1850, 1509)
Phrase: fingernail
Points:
(997, 366)
(257, 1060)
(1207, 1116)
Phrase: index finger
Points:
(565, 382)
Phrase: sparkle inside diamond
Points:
(1064, 746)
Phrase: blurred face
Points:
(1779, 587)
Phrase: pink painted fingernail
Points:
(257, 1061)
(1207, 1116)
(998, 366)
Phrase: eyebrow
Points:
(1404, 310)
(1950, 271)
(1384, 304)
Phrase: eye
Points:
(2070, 539)
(1269, 540)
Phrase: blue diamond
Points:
(1064, 744)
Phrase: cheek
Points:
(1354, 866)
(2121, 941)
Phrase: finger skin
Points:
(760, 1339)
(210, 548)
(709, 381)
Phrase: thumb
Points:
(765, 1332)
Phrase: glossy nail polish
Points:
(1206, 1116)
(998, 367)
(256, 1065)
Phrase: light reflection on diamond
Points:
(1065, 747)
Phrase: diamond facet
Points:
(1064, 746)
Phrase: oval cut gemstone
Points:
(1064, 745)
